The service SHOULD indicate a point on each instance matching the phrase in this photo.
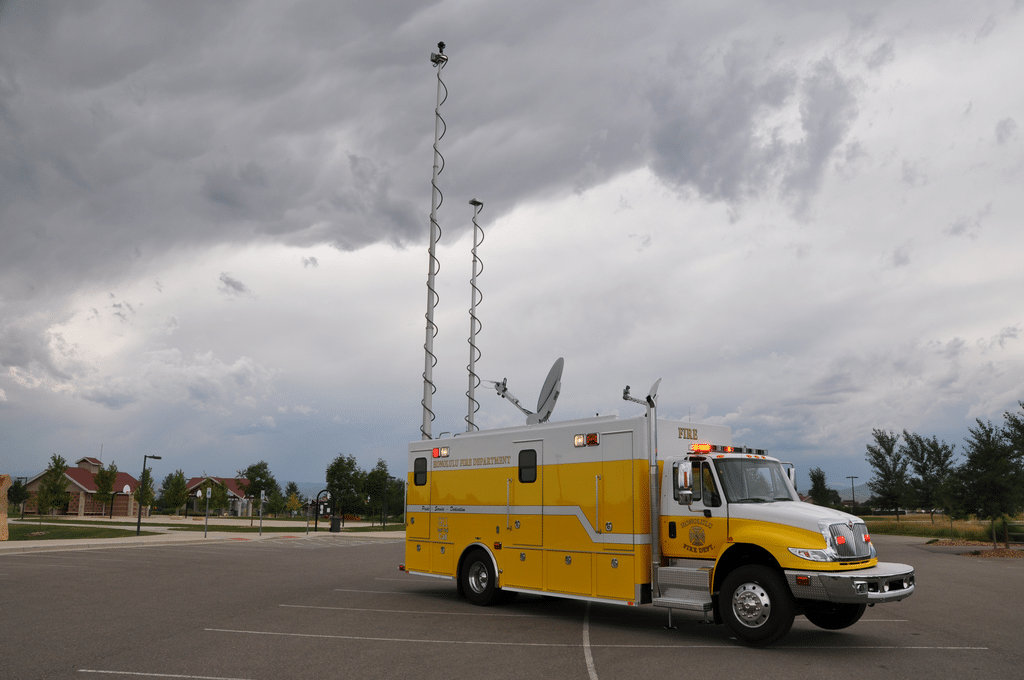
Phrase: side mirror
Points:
(682, 491)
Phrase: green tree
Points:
(105, 479)
(276, 502)
(820, 492)
(889, 484)
(345, 483)
(932, 462)
(992, 473)
(53, 487)
(953, 498)
(256, 480)
(293, 488)
(145, 494)
(376, 488)
(1013, 429)
(396, 498)
(17, 494)
(174, 490)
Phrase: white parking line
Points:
(587, 656)
(383, 639)
(156, 675)
(375, 592)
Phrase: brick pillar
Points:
(5, 483)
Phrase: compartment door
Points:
(615, 493)
(418, 498)
(524, 495)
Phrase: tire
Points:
(756, 605)
(477, 578)
(834, 616)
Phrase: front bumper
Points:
(882, 583)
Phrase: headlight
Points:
(813, 555)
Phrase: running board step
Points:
(687, 588)
(686, 605)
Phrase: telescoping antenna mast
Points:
(476, 297)
(439, 60)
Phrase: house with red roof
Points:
(82, 487)
(238, 504)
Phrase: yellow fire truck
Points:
(638, 511)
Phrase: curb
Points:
(21, 547)
(94, 544)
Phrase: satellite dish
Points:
(652, 396)
(548, 394)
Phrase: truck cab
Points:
(738, 545)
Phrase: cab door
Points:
(704, 526)
(524, 495)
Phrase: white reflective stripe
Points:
(541, 510)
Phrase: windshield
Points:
(752, 480)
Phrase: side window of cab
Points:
(712, 498)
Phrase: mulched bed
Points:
(982, 549)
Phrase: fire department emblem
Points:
(697, 535)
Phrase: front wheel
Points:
(477, 578)
(834, 616)
(756, 605)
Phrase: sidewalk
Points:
(170, 536)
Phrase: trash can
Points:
(335, 525)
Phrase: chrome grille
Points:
(853, 546)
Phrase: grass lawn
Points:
(921, 525)
(50, 532)
(197, 525)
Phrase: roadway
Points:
(335, 605)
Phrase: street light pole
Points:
(142, 479)
(853, 497)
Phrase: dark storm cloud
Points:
(704, 132)
(709, 132)
(133, 130)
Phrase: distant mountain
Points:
(861, 492)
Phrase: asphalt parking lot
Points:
(335, 606)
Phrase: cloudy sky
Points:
(804, 217)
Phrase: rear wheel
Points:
(756, 605)
(477, 578)
(834, 616)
